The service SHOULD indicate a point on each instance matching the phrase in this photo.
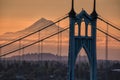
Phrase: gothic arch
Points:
(84, 74)
(77, 42)
(83, 28)
(76, 30)
(89, 31)
(86, 51)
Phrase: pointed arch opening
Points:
(76, 30)
(83, 29)
(89, 30)
(82, 66)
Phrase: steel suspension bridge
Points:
(59, 33)
(56, 33)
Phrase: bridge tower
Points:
(77, 42)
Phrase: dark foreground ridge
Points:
(53, 70)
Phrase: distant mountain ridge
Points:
(43, 57)
(34, 57)
(39, 24)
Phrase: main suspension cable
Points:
(108, 22)
(34, 32)
(108, 34)
(34, 42)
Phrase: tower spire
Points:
(72, 13)
(73, 4)
(94, 7)
(94, 13)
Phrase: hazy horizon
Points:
(16, 16)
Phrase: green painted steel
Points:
(77, 42)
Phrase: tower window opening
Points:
(83, 29)
(89, 30)
(76, 30)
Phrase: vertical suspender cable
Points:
(107, 44)
(38, 46)
(106, 56)
(0, 51)
(23, 53)
(60, 46)
(19, 50)
(41, 51)
(19, 71)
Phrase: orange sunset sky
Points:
(16, 15)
